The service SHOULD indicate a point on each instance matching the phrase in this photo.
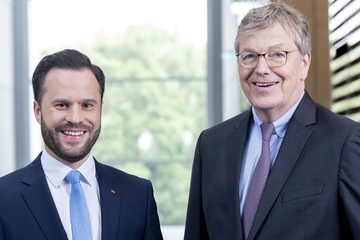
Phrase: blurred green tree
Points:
(154, 108)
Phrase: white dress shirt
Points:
(55, 173)
(253, 148)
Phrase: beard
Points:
(52, 141)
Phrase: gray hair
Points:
(290, 19)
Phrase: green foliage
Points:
(154, 84)
(173, 200)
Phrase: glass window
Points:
(153, 54)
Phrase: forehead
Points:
(71, 83)
(274, 37)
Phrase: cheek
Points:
(291, 81)
(53, 118)
(244, 85)
(244, 75)
(95, 118)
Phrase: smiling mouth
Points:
(264, 84)
(72, 133)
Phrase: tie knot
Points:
(266, 130)
(73, 177)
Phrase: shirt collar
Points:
(56, 171)
(280, 124)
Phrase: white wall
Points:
(7, 121)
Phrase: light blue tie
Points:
(79, 216)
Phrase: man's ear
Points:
(306, 65)
(37, 111)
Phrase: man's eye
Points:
(249, 56)
(277, 54)
(61, 105)
(87, 105)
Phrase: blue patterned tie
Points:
(258, 179)
(79, 216)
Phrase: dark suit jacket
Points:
(313, 190)
(27, 210)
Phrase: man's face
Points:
(70, 114)
(273, 90)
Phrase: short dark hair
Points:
(66, 59)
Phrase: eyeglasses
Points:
(273, 58)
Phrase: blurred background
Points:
(170, 73)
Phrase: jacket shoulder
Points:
(231, 124)
(112, 174)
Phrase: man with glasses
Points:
(286, 169)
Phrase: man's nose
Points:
(262, 67)
(75, 114)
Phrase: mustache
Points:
(72, 125)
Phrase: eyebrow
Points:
(86, 100)
(89, 100)
(270, 48)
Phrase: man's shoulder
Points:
(10, 177)
(231, 124)
(326, 115)
(313, 112)
(26, 174)
(14, 175)
(110, 172)
(12, 183)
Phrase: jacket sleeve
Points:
(349, 183)
(152, 231)
(1, 231)
(195, 226)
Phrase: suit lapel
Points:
(295, 139)
(37, 195)
(110, 198)
(236, 148)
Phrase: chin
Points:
(265, 103)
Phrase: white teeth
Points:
(264, 84)
(73, 133)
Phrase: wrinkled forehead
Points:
(274, 35)
(273, 32)
(252, 29)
